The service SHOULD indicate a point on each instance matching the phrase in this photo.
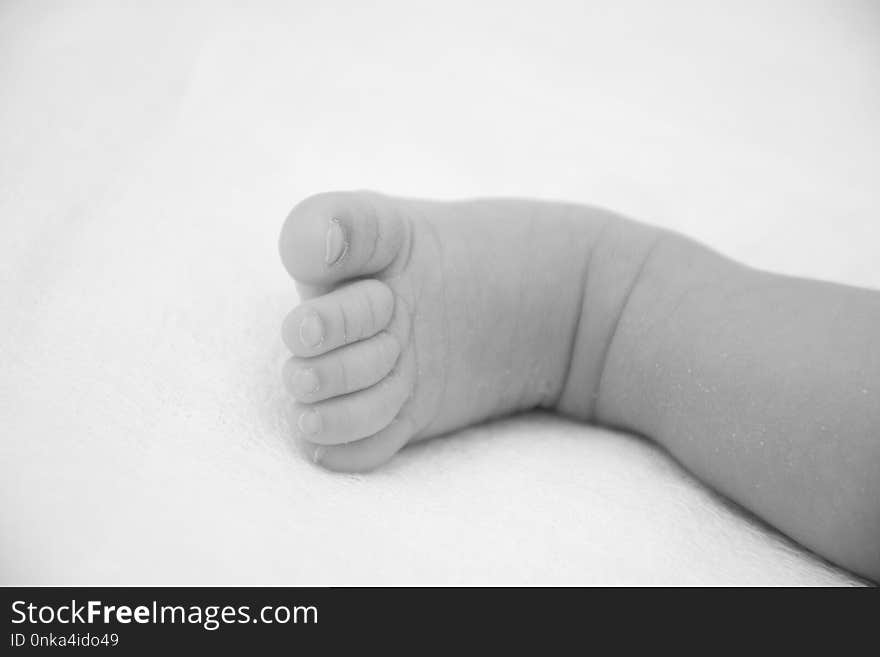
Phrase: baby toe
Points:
(368, 453)
(342, 371)
(335, 236)
(350, 313)
(354, 416)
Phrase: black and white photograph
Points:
(384, 294)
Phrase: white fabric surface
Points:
(148, 156)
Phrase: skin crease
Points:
(764, 386)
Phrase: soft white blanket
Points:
(148, 156)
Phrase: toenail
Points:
(335, 247)
(311, 332)
(309, 422)
(304, 382)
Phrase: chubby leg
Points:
(765, 386)
(422, 317)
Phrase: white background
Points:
(149, 153)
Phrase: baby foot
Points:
(421, 317)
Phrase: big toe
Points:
(334, 236)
